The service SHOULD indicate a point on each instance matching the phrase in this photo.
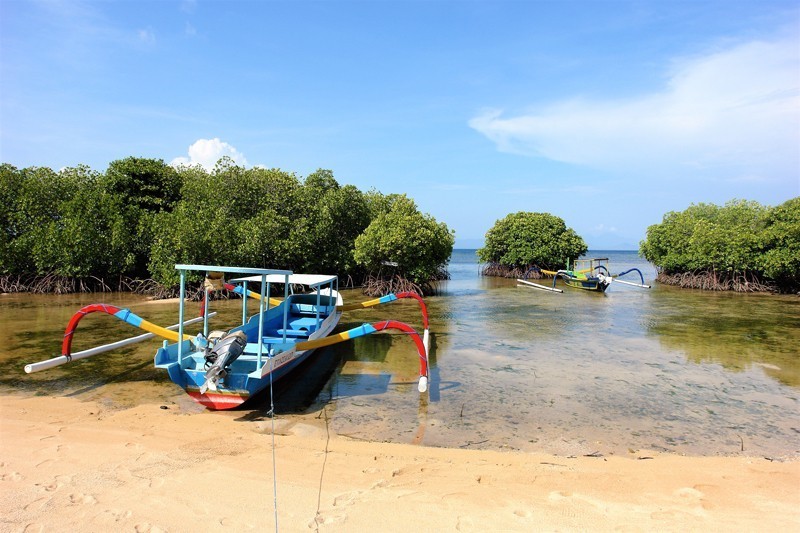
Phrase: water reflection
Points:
(298, 391)
(739, 332)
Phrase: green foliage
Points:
(261, 218)
(10, 185)
(706, 236)
(223, 217)
(148, 184)
(90, 236)
(61, 223)
(331, 227)
(418, 244)
(781, 244)
(378, 203)
(142, 217)
(35, 197)
(739, 237)
(144, 188)
(523, 239)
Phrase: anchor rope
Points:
(324, 462)
(274, 458)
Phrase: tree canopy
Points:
(141, 217)
(740, 244)
(524, 239)
(393, 237)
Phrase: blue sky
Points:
(606, 113)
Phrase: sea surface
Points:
(577, 373)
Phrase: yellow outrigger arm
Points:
(391, 298)
(250, 294)
(351, 307)
(367, 329)
(552, 273)
(153, 330)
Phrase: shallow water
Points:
(576, 373)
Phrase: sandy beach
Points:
(70, 465)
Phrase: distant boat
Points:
(222, 369)
(586, 274)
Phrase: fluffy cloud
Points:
(206, 153)
(736, 109)
(147, 36)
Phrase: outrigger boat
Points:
(221, 369)
(587, 274)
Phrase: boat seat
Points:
(279, 340)
(310, 309)
(293, 332)
(307, 323)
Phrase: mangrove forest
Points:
(524, 239)
(78, 229)
(742, 246)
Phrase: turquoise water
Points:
(575, 373)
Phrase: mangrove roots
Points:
(711, 280)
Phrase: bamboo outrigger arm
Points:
(524, 281)
(67, 356)
(641, 277)
(126, 315)
(538, 286)
(238, 289)
(392, 298)
(362, 305)
(377, 327)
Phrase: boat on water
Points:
(587, 274)
(223, 368)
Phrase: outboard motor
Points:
(220, 357)
(209, 343)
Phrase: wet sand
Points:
(70, 465)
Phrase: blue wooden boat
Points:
(223, 368)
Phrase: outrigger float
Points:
(587, 274)
(221, 369)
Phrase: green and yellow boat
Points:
(587, 274)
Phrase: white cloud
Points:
(147, 36)
(206, 153)
(602, 228)
(736, 109)
(577, 190)
(188, 6)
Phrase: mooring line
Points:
(322, 472)
(274, 460)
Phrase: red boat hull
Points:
(217, 400)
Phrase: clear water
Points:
(575, 373)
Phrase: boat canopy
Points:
(310, 280)
(238, 270)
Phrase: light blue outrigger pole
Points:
(181, 296)
(264, 286)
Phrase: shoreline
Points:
(69, 464)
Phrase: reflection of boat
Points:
(221, 369)
(587, 274)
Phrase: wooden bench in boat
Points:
(293, 332)
(306, 304)
(278, 340)
(251, 350)
(307, 323)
